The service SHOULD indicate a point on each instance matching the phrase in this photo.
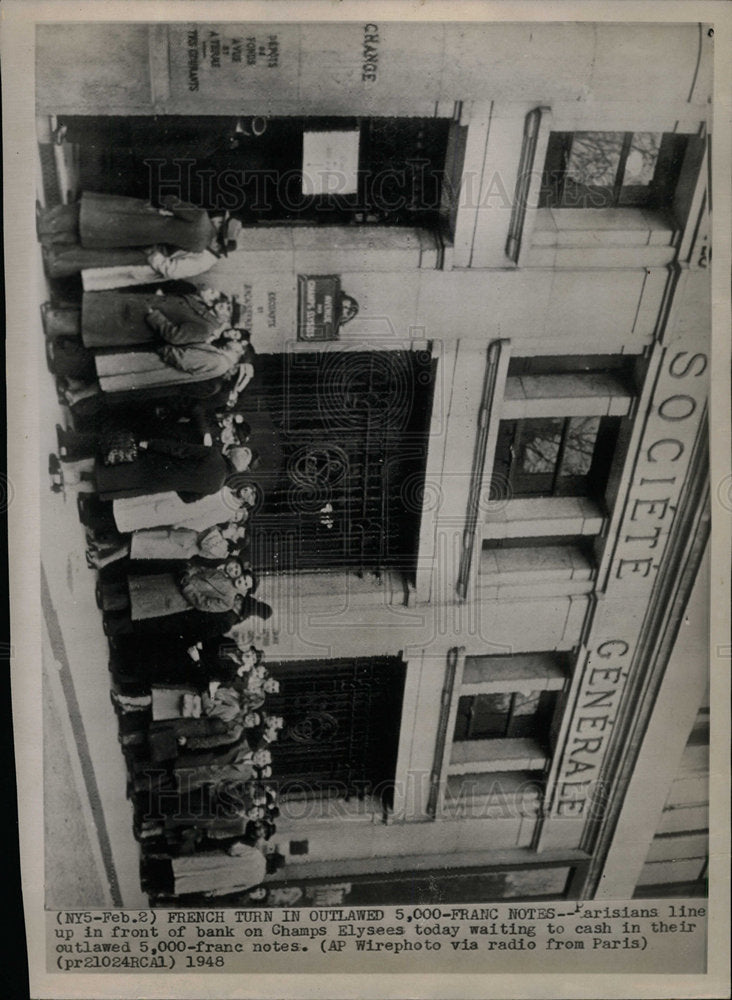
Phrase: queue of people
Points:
(150, 371)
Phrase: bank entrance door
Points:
(341, 731)
(352, 432)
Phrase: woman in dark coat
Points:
(103, 221)
(88, 404)
(144, 421)
(114, 319)
(184, 629)
(118, 318)
(189, 627)
(193, 469)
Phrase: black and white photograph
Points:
(365, 516)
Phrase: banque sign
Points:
(660, 469)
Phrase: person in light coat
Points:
(209, 589)
(185, 543)
(229, 503)
(158, 266)
(172, 364)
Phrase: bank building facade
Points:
(488, 553)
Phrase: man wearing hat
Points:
(163, 266)
(110, 266)
(120, 318)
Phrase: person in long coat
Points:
(189, 627)
(143, 422)
(161, 265)
(196, 768)
(182, 629)
(155, 596)
(217, 702)
(61, 260)
(159, 464)
(218, 872)
(122, 318)
(167, 738)
(136, 513)
(89, 404)
(162, 466)
(170, 545)
(103, 269)
(209, 589)
(116, 319)
(240, 764)
(221, 812)
(146, 373)
(103, 221)
(213, 873)
(158, 267)
(214, 589)
(137, 663)
(166, 137)
(215, 542)
(140, 371)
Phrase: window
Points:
(506, 715)
(555, 456)
(611, 169)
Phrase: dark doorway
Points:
(253, 166)
(352, 436)
(341, 730)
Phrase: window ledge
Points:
(482, 756)
(489, 794)
(367, 811)
(542, 516)
(540, 571)
(575, 227)
(596, 237)
(539, 564)
(518, 672)
(595, 395)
